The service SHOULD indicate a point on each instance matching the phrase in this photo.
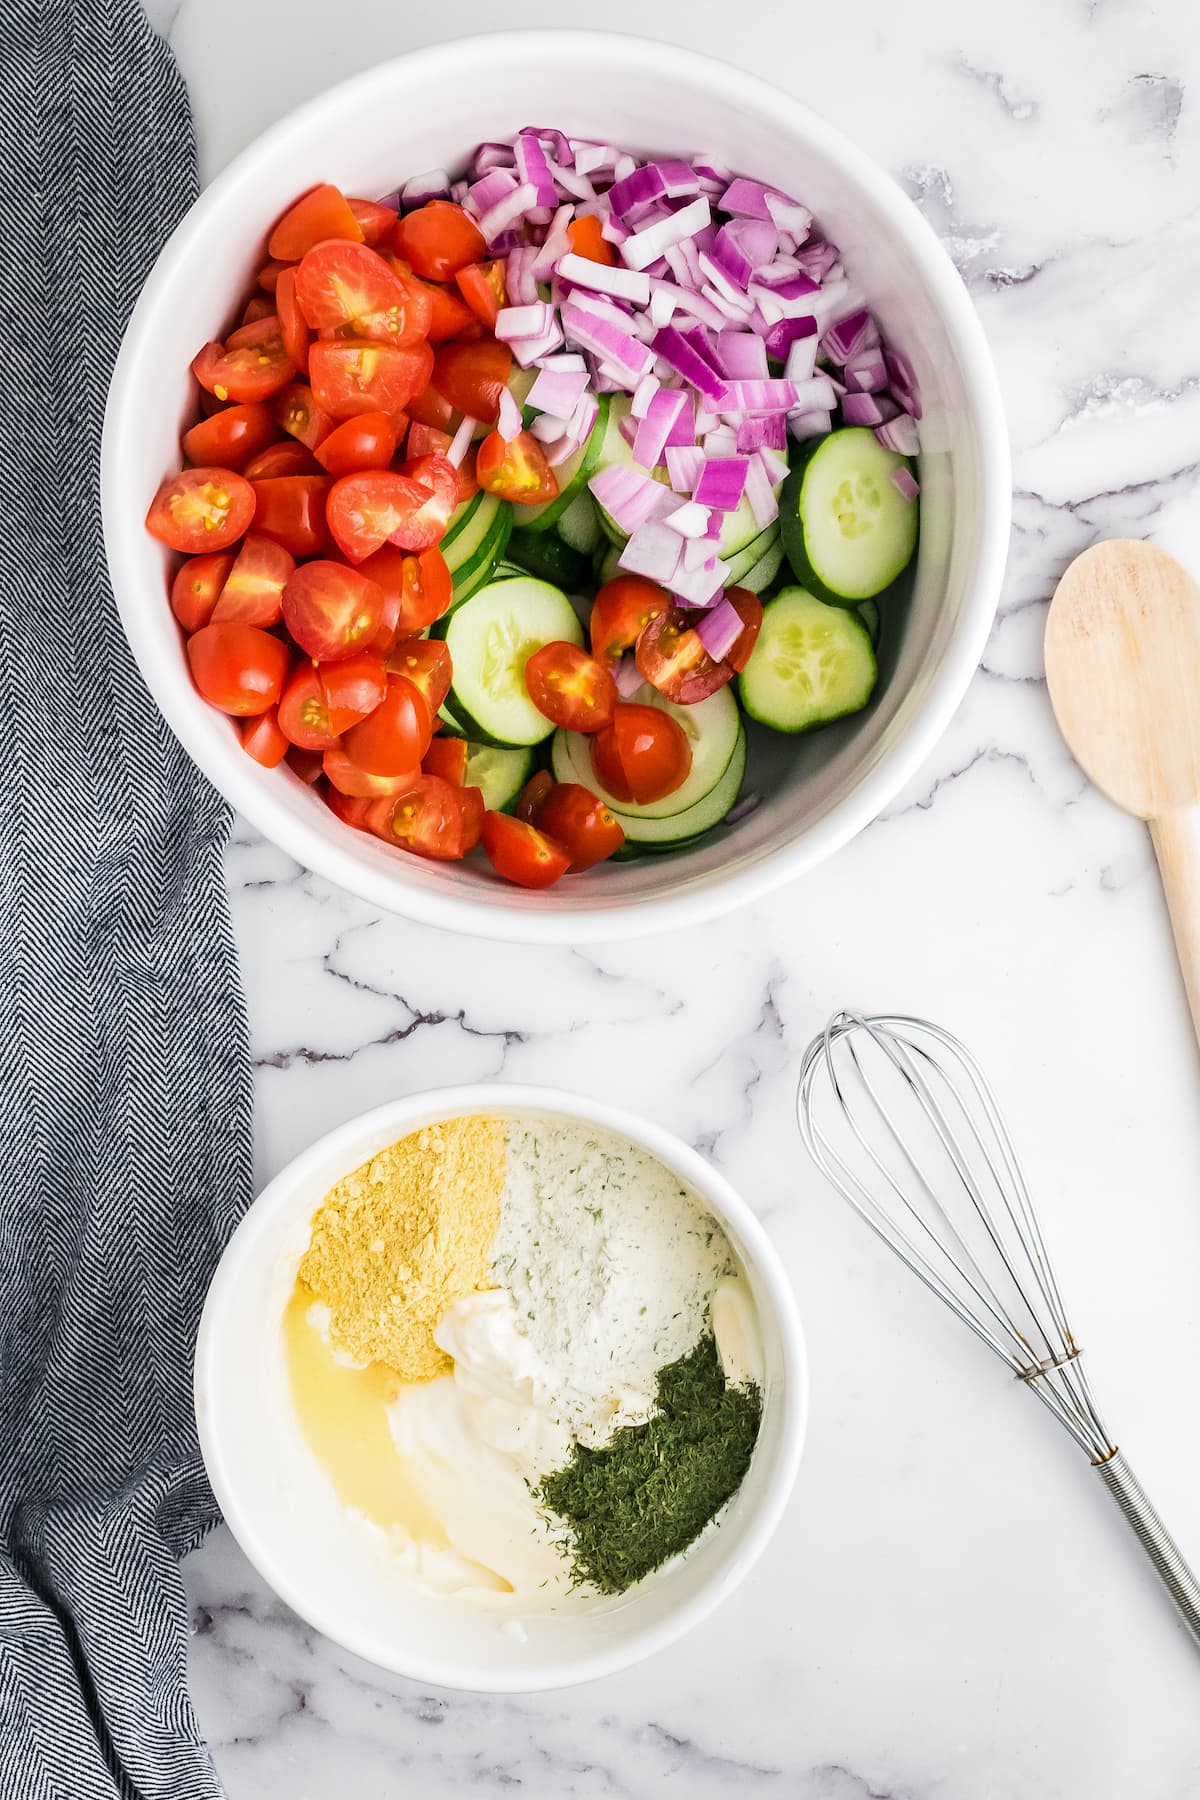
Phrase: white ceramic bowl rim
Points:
(706, 894)
(385, 1123)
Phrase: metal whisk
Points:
(900, 1118)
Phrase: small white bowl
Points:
(430, 109)
(281, 1507)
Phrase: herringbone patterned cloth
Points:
(124, 1075)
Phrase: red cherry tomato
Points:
(570, 687)
(197, 588)
(671, 656)
(268, 276)
(352, 688)
(396, 735)
(642, 756)
(286, 458)
(587, 238)
(521, 852)
(516, 470)
(482, 287)
(367, 510)
(299, 415)
(449, 314)
(417, 590)
(348, 778)
(293, 326)
(252, 364)
(350, 289)
(426, 663)
(368, 442)
(427, 440)
(620, 613)
(438, 239)
(201, 509)
(238, 668)
(532, 795)
(374, 219)
(230, 438)
(439, 477)
(263, 740)
(331, 610)
(436, 819)
(352, 375)
(469, 377)
(291, 509)
(447, 758)
(253, 591)
(429, 408)
(306, 764)
(257, 307)
(749, 609)
(324, 212)
(303, 714)
(580, 821)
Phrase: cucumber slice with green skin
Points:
(480, 567)
(460, 518)
(573, 475)
(451, 727)
(608, 564)
(760, 577)
(812, 663)
(847, 529)
(744, 560)
(740, 530)
(711, 728)
(543, 553)
(499, 774)
(677, 830)
(579, 527)
(491, 637)
(478, 542)
(868, 612)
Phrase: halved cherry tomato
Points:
(201, 509)
(197, 588)
(375, 220)
(254, 589)
(436, 819)
(352, 688)
(365, 511)
(516, 470)
(521, 852)
(449, 314)
(293, 326)
(324, 212)
(470, 377)
(447, 758)
(438, 239)
(620, 613)
(643, 755)
(348, 778)
(263, 740)
(429, 408)
(268, 276)
(396, 735)
(427, 440)
(286, 458)
(230, 438)
(580, 821)
(482, 287)
(351, 376)
(300, 416)
(351, 809)
(532, 795)
(291, 509)
(238, 668)
(427, 526)
(350, 289)
(749, 610)
(303, 714)
(570, 687)
(252, 364)
(256, 308)
(306, 764)
(671, 656)
(426, 663)
(368, 442)
(331, 611)
(417, 590)
(586, 238)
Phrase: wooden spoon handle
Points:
(1176, 839)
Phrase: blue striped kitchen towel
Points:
(125, 1089)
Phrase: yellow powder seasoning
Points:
(403, 1237)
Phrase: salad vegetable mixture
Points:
(511, 495)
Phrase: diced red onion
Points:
(492, 156)
(758, 241)
(722, 483)
(742, 355)
(675, 350)
(557, 390)
(903, 380)
(519, 280)
(774, 463)
(900, 434)
(731, 259)
(904, 480)
(817, 394)
(747, 199)
(619, 349)
(679, 179)
(433, 185)
(817, 257)
(643, 394)
(803, 425)
(628, 497)
(685, 465)
(866, 370)
(792, 299)
(683, 433)
(505, 242)
(666, 299)
(516, 322)
(847, 335)
(653, 550)
(770, 395)
(781, 337)
(509, 424)
(645, 247)
(715, 526)
(637, 191)
(461, 442)
(801, 363)
(698, 551)
(548, 428)
(766, 431)
(578, 431)
(655, 429)
(702, 586)
(690, 520)
(720, 629)
(628, 676)
(789, 215)
(625, 284)
(506, 212)
(761, 494)
(720, 441)
(749, 803)
(557, 141)
(567, 181)
(861, 409)
(593, 159)
(490, 190)
(555, 245)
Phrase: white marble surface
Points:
(952, 1610)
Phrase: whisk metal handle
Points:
(1154, 1538)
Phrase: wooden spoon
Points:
(1123, 668)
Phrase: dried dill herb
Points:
(642, 1497)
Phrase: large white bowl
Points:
(282, 1510)
(429, 109)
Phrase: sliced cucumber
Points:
(479, 545)
(868, 612)
(640, 824)
(813, 662)
(499, 774)
(742, 561)
(711, 727)
(491, 637)
(579, 527)
(543, 553)
(847, 529)
(461, 517)
(572, 475)
(740, 529)
(757, 579)
(608, 564)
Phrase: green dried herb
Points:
(645, 1495)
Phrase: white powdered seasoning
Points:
(610, 1262)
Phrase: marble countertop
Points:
(952, 1610)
